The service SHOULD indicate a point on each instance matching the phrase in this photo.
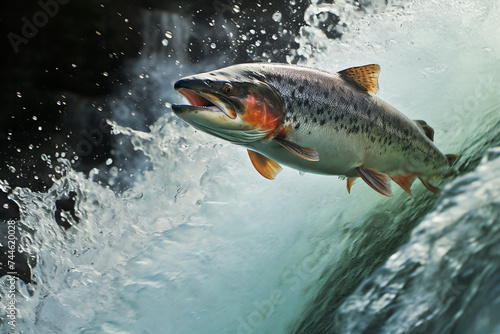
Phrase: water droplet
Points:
(252, 31)
(44, 157)
(274, 37)
(236, 9)
(213, 46)
(19, 94)
(292, 2)
(58, 103)
(277, 16)
(74, 65)
(257, 43)
(164, 42)
(109, 161)
(168, 34)
(98, 33)
(168, 105)
(126, 20)
(35, 118)
(105, 74)
(39, 128)
(6, 206)
(12, 169)
(141, 76)
(30, 146)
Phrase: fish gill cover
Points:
(200, 243)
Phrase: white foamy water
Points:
(201, 243)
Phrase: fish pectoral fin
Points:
(366, 77)
(301, 151)
(405, 181)
(350, 181)
(426, 128)
(380, 182)
(429, 186)
(265, 166)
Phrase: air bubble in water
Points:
(277, 16)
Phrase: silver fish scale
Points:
(317, 99)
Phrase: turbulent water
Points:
(201, 243)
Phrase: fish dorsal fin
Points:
(265, 166)
(380, 182)
(306, 153)
(428, 130)
(366, 77)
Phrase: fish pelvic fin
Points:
(405, 181)
(350, 181)
(265, 166)
(380, 182)
(426, 128)
(306, 153)
(365, 77)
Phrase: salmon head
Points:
(230, 104)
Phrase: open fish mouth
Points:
(201, 101)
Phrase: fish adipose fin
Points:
(366, 77)
(301, 151)
(380, 182)
(405, 181)
(265, 166)
(426, 128)
(350, 181)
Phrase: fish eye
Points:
(227, 88)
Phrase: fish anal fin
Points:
(265, 166)
(428, 130)
(366, 77)
(429, 186)
(350, 181)
(380, 182)
(405, 181)
(306, 153)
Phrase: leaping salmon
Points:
(314, 121)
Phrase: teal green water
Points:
(203, 244)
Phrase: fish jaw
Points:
(250, 115)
